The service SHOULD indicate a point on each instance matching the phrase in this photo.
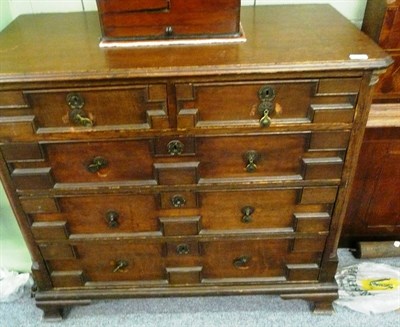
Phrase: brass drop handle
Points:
(78, 117)
(112, 219)
(76, 102)
(242, 262)
(247, 211)
(265, 120)
(266, 95)
(120, 264)
(175, 147)
(96, 164)
(178, 201)
(182, 249)
(251, 157)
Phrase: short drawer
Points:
(282, 210)
(99, 108)
(216, 262)
(266, 103)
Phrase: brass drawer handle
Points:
(97, 164)
(242, 262)
(78, 117)
(251, 157)
(178, 201)
(76, 102)
(266, 106)
(120, 264)
(182, 249)
(112, 219)
(247, 211)
(175, 147)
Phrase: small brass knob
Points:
(96, 164)
(175, 147)
(178, 201)
(182, 249)
(112, 219)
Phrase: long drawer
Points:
(169, 161)
(285, 210)
(219, 262)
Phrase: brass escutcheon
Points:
(75, 100)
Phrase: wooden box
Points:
(138, 20)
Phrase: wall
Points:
(13, 253)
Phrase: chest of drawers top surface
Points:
(279, 38)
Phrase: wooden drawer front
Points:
(86, 162)
(114, 262)
(242, 104)
(275, 210)
(99, 214)
(243, 261)
(186, 18)
(218, 262)
(133, 107)
(224, 158)
(308, 156)
(278, 210)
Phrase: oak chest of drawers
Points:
(184, 170)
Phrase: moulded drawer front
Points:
(284, 156)
(268, 210)
(280, 210)
(85, 162)
(247, 261)
(185, 262)
(99, 108)
(98, 214)
(243, 103)
(110, 262)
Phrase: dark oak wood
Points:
(155, 19)
(191, 170)
(374, 212)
